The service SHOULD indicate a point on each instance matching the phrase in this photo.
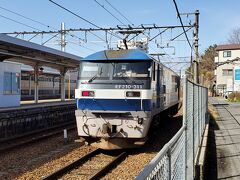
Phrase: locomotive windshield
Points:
(136, 69)
(114, 70)
(91, 69)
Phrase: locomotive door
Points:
(158, 86)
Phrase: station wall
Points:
(10, 90)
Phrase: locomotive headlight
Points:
(88, 93)
(132, 94)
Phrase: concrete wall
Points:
(20, 120)
(8, 100)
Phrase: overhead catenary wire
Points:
(19, 22)
(43, 24)
(38, 22)
(73, 13)
(119, 12)
(172, 39)
(158, 34)
(25, 17)
(105, 29)
(109, 30)
(109, 12)
(83, 46)
(180, 19)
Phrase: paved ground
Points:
(227, 139)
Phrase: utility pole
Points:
(63, 73)
(63, 37)
(196, 61)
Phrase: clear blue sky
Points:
(217, 19)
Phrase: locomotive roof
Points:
(123, 54)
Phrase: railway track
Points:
(35, 136)
(92, 166)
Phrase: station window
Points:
(227, 72)
(226, 53)
(11, 83)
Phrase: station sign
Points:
(237, 73)
(237, 78)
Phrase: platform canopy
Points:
(37, 56)
(17, 50)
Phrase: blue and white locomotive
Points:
(118, 95)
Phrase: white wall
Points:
(220, 79)
(8, 100)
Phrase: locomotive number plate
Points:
(128, 86)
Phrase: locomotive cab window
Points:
(131, 69)
(94, 69)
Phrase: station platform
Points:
(41, 103)
(227, 138)
(30, 116)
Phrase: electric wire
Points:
(28, 25)
(82, 46)
(158, 34)
(75, 14)
(19, 22)
(118, 12)
(109, 12)
(27, 18)
(50, 39)
(180, 34)
(71, 12)
(179, 16)
(43, 24)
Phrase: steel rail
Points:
(79, 162)
(109, 166)
(35, 137)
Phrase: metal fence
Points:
(177, 158)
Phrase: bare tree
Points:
(234, 36)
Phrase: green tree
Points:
(207, 66)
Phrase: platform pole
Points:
(36, 83)
(30, 85)
(62, 81)
(63, 37)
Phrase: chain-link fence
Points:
(177, 158)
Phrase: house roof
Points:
(228, 47)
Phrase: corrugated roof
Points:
(228, 47)
(17, 50)
(131, 54)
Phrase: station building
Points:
(228, 68)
